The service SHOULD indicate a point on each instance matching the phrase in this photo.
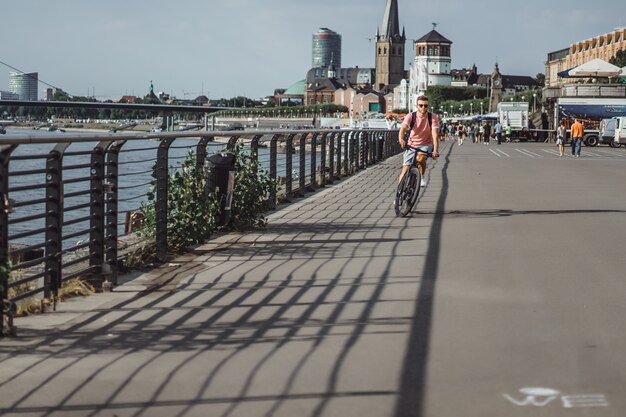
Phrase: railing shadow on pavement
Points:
(67, 202)
(232, 316)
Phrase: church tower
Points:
(495, 95)
(390, 49)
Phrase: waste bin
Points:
(221, 178)
(380, 148)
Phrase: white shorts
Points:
(409, 154)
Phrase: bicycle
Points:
(409, 187)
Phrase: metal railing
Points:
(67, 201)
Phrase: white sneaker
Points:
(423, 182)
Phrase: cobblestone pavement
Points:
(340, 308)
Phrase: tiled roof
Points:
(433, 36)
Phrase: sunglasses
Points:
(423, 105)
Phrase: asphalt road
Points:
(502, 295)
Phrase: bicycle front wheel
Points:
(406, 194)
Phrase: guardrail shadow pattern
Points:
(325, 313)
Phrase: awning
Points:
(596, 68)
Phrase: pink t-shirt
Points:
(421, 134)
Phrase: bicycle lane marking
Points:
(499, 153)
(526, 152)
(551, 152)
(542, 397)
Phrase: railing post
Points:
(363, 154)
(289, 165)
(331, 157)
(323, 160)
(339, 155)
(5, 208)
(162, 187)
(302, 182)
(96, 215)
(347, 152)
(313, 183)
(232, 142)
(357, 150)
(273, 169)
(54, 221)
(201, 152)
(372, 149)
(109, 266)
(340, 139)
(254, 147)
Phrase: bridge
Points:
(502, 294)
(113, 106)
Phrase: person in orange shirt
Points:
(577, 138)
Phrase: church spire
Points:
(391, 25)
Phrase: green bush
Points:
(191, 213)
(252, 190)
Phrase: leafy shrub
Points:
(191, 212)
(252, 190)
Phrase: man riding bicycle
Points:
(424, 135)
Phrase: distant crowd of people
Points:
(476, 132)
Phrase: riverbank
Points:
(79, 127)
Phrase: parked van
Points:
(607, 132)
(620, 130)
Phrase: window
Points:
(430, 51)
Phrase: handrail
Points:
(97, 193)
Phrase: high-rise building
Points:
(24, 85)
(390, 49)
(326, 49)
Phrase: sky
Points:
(229, 48)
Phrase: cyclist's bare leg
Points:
(405, 168)
(421, 163)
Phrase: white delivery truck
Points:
(514, 114)
(591, 111)
(620, 130)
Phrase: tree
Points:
(541, 78)
(619, 59)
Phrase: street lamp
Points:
(461, 109)
(481, 107)
(534, 101)
(471, 108)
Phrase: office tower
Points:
(326, 48)
(24, 85)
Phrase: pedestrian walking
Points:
(507, 133)
(561, 136)
(498, 131)
(486, 133)
(461, 132)
(577, 138)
